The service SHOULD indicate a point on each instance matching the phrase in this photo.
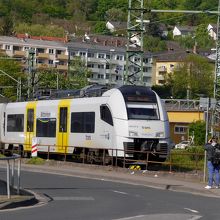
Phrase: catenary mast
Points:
(134, 54)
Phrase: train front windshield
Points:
(141, 102)
(147, 112)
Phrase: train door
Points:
(63, 126)
(107, 128)
(30, 129)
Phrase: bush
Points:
(188, 159)
(36, 161)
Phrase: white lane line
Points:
(133, 217)
(124, 193)
(191, 210)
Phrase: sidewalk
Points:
(181, 182)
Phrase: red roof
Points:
(62, 39)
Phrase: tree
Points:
(202, 37)
(100, 27)
(7, 28)
(195, 74)
(198, 130)
(9, 86)
(78, 73)
(40, 30)
(164, 91)
(154, 44)
(115, 14)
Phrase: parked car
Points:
(182, 145)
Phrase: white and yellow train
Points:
(128, 118)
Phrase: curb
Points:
(24, 199)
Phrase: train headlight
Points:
(133, 133)
(159, 134)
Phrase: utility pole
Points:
(134, 53)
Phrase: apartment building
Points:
(47, 53)
(107, 62)
(165, 63)
(105, 56)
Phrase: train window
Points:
(15, 123)
(46, 127)
(30, 120)
(63, 119)
(106, 114)
(146, 112)
(82, 122)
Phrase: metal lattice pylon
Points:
(215, 125)
(134, 53)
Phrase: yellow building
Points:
(181, 114)
(165, 63)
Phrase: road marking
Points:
(191, 210)
(72, 198)
(124, 193)
(133, 217)
(162, 216)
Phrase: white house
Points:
(183, 31)
(212, 29)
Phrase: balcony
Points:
(43, 55)
(62, 57)
(19, 53)
(42, 66)
(3, 52)
(62, 67)
(162, 69)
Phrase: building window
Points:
(101, 55)
(82, 122)
(72, 53)
(91, 55)
(100, 76)
(50, 61)
(179, 129)
(119, 57)
(15, 123)
(145, 60)
(7, 47)
(51, 51)
(90, 65)
(107, 56)
(82, 54)
(100, 66)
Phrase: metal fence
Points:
(176, 160)
(11, 172)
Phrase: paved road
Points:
(81, 198)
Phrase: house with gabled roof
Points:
(212, 30)
(183, 31)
